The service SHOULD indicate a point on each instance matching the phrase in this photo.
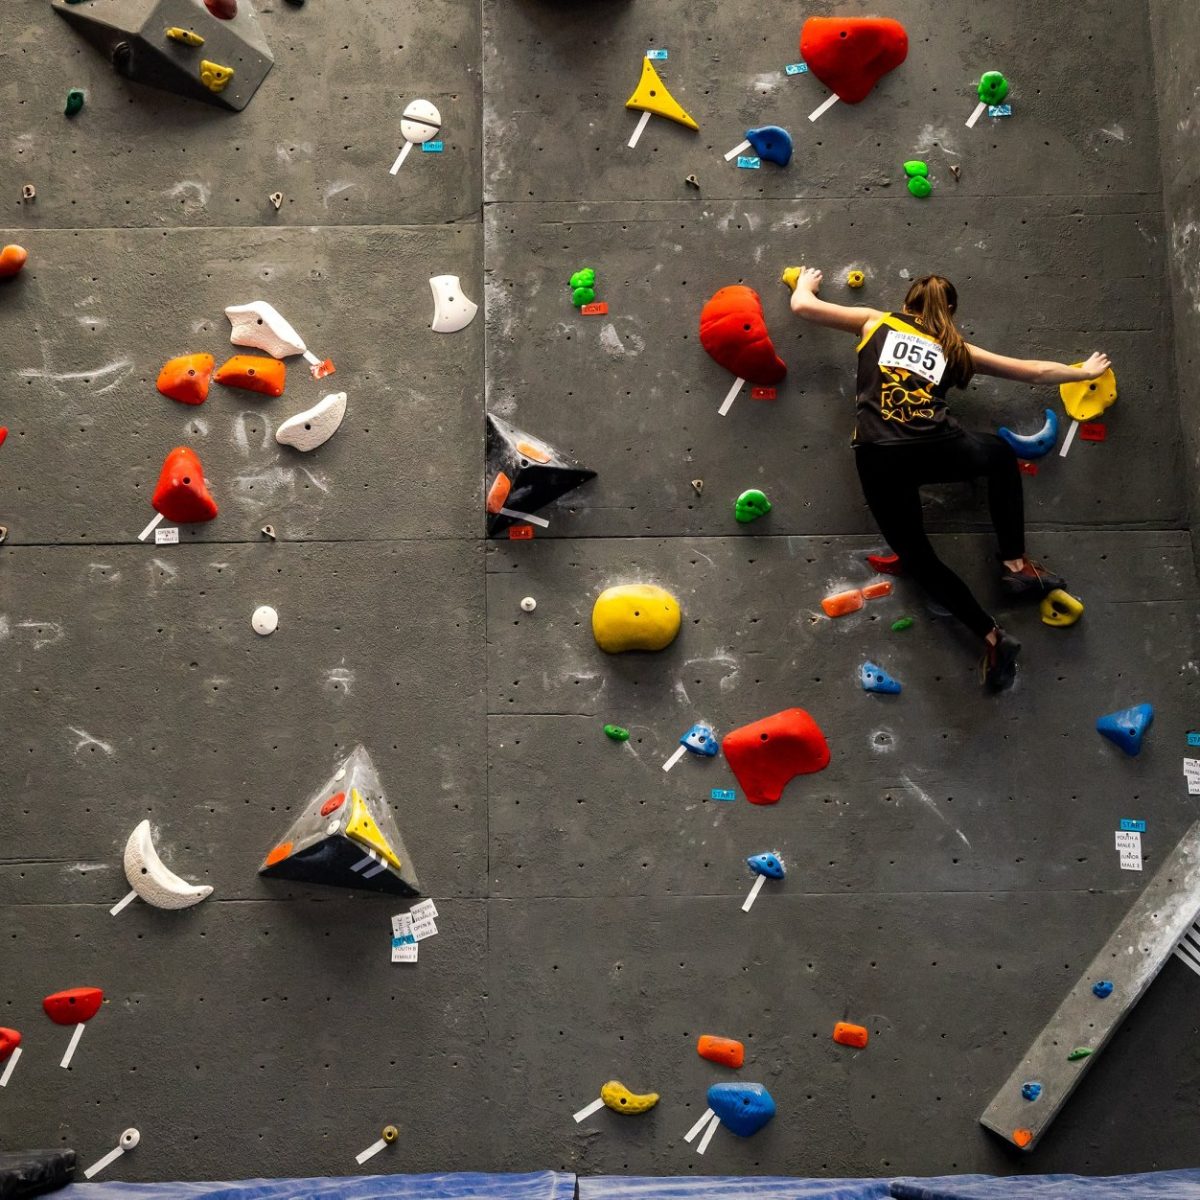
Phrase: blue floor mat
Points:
(1157, 1185)
(729, 1187)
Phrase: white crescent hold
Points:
(260, 326)
(314, 426)
(154, 882)
(452, 310)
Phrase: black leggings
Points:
(891, 479)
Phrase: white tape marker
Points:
(639, 129)
(520, 516)
(822, 109)
(680, 751)
(401, 157)
(708, 1135)
(71, 1045)
(748, 903)
(375, 1147)
(584, 1113)
(980, 109)
(121, 904)
(10, 1066)
(737, 150)
(730, 397)
(699, 1125)
(150, 528)
(1068, 439)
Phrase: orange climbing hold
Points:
(278, 854)
(12, 259)
(332, 804)
(1022, 1137)
(729, 1052)
(182, 495)
(266, 375)
(874, 590)
(846, 1034)
(841, 603)
(498, 492)
(186, 378)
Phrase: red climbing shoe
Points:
(1031, 580)
(999, 665)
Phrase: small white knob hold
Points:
(265, 620)
(528, 604)
(129, 1139)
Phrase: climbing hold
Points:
(1033, 445)
(264, 620)
(3, 534)
(872, 591)
(993, 87)
(225, 9)
(75, 1006)
(151, 879)
(1031, 1091)
(855, 279)
(766, 754)
(956, 171)
(452, 310)
(635, 616)
(260, 326)
(903, 623)
(1127, 727)
(186, 378)
(1103, 989)
(701, 740)
(182, 495)
(276, 199)
(12, 259)
(734, 332)
(620, 1099)
(10, 1039)
(390, 1133)
(265, 375)
(768, 864)
(651, 95)
(1060, 609)
(1078, 1053)
(74, 102)
(841, 603)
(333, 803)
(420, 121)
(920, 187)
(1022, 1137)
(915, 168)
(185, 37)
(28, 191)
(885, 564)
(876, 679)
(751, 505)
(692, 180)
(698, 486)
(616, 733)
(314, 426)
(1086, 399)
(214, 76)
(729, 1052)
(772, 143)
(849, 55)
(744, 1108)
(583, 287)
(791, 276)
(528, 604)
(269, 531)
(525, 474)
(846, 1034)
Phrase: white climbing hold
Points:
(259, 325)
(452, 311)
(314, 426)
(265, 620)
(528, 604)
(130, 1138)
(421, 121)
(154, 882)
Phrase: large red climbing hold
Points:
(734, 331)
(850, 55)
(225, 9)
(181, 495)
(10, 1039)
(768, 753)
(186, 378)
(74, 1006)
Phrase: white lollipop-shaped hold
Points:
(265, 620)
(421, 122)
(129, 1139)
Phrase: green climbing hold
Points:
(751, 505)
(616, 733)
(74, 101)
(902, 624)
(915, 167)
(583, 287)
(993, 87)
(1078, 1053)
(920, 187)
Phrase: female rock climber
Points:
(904, 437)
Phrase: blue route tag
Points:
(745, 160)
(406, 940)
(999, 110)
(1133, 826)
(723, 794)
(1194, 739)
(657, 55)
(432, 147)
(800, 68)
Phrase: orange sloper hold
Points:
(498, 492)
(729, 1052)
(841, 603)
(12, 259)
(186, 378)
(278, 854)
(846, 1034)
(254, 374)
(767, 754)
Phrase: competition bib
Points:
(920, 355)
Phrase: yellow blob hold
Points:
(855, 279)
(1088, 398)
(390, 1134)
(635, 616)
(214, 76)
(361, 829)
(1060, 609)
(651, 96)
(186, 36)
(790, 276)
(620, 1099)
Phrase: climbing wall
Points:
(949, 875)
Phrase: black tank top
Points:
(901, 386)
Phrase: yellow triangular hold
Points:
(651, 96)
(1086, 399)
(365, 832)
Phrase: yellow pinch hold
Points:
(791, 276)
(361, 829)
(185, 36)
(1086, 399)
(635, 616)
(620, 1099)
(1060, 609)
(651, 95)
(214, 76)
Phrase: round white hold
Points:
(332, 828)
(265, 620)
(528, 604)
(421, 122)
(129, 1139)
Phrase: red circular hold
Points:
(225, 9)
(74, 1006)
(333, 804)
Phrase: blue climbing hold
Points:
(744, 1108)
(1033, 445)
(772, 143)
(701, 740)
(1127, 727)
(876, 679)
(1031, 1091)
(1103, 989)
(769, 864)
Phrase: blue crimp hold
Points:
(1031, 1091)
(876, 679)
(772, 143)
(701, 740)
(744, 1108)
(1033, 445)
(1103, 989)
(1127, 727)
(1133, 826)
(768, 864)
(750, 163)
(723, 794)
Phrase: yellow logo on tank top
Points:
(900, 401)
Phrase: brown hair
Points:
(932, 300)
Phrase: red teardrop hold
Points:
(850, 55)
(74, 1006)
(768, 753)
(181, 495)
(3, 434)
(734, 331)
(10, 1039)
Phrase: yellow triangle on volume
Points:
(651, 96)
(365, 832)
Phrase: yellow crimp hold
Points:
(635, 616)
(790, 276)
(855, 279)
(1060, 609)
(186, 36)
(651, 96)
(361, 829)
(214, 76)
(620, 1099)
(1086, 399)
